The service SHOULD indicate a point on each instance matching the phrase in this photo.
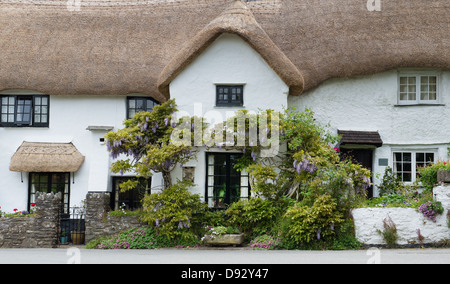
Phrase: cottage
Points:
(71, 72)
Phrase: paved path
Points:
(221, 256)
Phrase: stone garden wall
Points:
(407, 220)
(42, 229)
(38, 231)
(100, 223)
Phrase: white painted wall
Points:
(369, 103)
(229, 60)
(69, 118)
(368, 221)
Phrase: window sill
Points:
(226, 107)
(412, 105)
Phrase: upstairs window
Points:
(418, 89)
(229, 96)
(138, 104)
(24, 111)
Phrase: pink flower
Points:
(336, 149)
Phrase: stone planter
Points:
(224, 240)
(443, 176)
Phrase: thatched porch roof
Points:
(46, 157)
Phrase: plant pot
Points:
(225, 240)
(77, 238)
(64, 239)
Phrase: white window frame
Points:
(413, 160)
(418, 75)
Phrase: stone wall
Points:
(98, 220)
(407, 220)
(38, 231)
(42, 229)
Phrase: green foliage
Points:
(428, 174)
(263, 181)
(307, 223)
(175, 213)
(147, 142)
(140, 238)
(389, 233)
(255, 216)
(391, 183)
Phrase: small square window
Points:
(229, 96)
(418, 89)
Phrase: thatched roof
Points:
(46, 157)
(116, 47)
(240, 21)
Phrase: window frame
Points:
(32, 112)
(212, 200)
(146, 101)
(414, 163)
(418, 75)
(230, 102)
(116, 200)
(65, 196)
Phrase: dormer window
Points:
(229, 96)
(419, 88)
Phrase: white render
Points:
(369, 221)
(228, 61)
(370, 103)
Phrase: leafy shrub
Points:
(175, 212)
(255, 216)
(305, 224)
(428, 174)
(141, 238)
(391, 183)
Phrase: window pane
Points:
(420, 157)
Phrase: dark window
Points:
(230, 96)
(406, 164)
(130, 200)
(50, 183)
(138, 104)
(224, 184)
(21, 111)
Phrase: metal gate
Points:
(72, 227)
